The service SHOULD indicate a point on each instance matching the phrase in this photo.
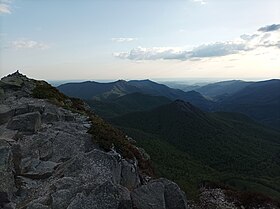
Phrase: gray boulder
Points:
(37, 169)
(175, 198)
(105, 196)
(150, 196)
(61, 199)
(22, 109)
(36, 107)
(2, 93)
(7, 184)
(159, 194)
(129, 175)
(97, 166)
(6, 113)
(29, 122)
(37, 206)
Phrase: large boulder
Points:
(2, 93)
(61, 199)
(29, 122)
(37, 169)
(51, 114)
(106, 196)
(175, 198)
(6, 113)
(7, 184)
(129, 175)
(150, 196)
(97, 166)
(159, 194)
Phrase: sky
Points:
(140, 39)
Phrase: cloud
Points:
(242, 44)
(121, 40)
(29, 44)
(203, 51)
(5, 6)
(154, 53)
(269, 28)
(247, 37)
(202, 2)
(218, 49)
(5, 9)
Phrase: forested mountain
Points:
(222, 89)
(231, 144)
(259, 100)
(107, 91)
(91, 89)
(126, 104)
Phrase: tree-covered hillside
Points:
(231, 144)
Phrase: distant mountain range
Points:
(222, 89)
(107, 91)
(258, 100)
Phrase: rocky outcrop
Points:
(29, 122)
(161, 194)
(48, 160)
(7, 185)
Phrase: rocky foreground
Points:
(49, 160)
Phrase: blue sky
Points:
(138, 39)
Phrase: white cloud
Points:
(242, 44)
(202, 2)
(5, 9)
(29, 44)
(154, 53)
(121, 40)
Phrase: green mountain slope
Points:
(91, 89)
(260, 101)
(171, 162)
(108, 91)
(126, 104)
(229, 143)
(223, 88)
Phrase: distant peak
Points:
(16, 74)
(181, 102)
(144, 80)
(121, 81)
(186, 107)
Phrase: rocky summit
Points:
(48, 158)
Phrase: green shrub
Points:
(107, 136)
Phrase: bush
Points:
(107, 136)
